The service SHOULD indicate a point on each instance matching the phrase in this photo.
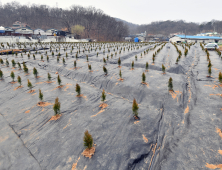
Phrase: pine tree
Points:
(7, 63)
(103, 95)
(136, 57)
(49, 77)
(78, 89)
(1, 73)
(13, 63)
(163, 68)
(143, 77)
(119, 62)
(105, 70)
(75, 64)
(12, 75)
(56, 106)
(135, 108)
(220, 77)
(209, 71)
(35, 72)
(87, 59)
(132, 65)
(57, 59)
(40, 95)
(63, 60)
(19, 66)
(88, 140)
(89, 67)
(29, 84)
(1, 61)
(59, 80)
(104, 60)
(209, 64)
(19, 80)
(147, 65)
(120, 74)
(170, 84)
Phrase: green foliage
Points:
(40, 95)
(220, 77)
(63, 60)
(87, 59)
(56, 106)
(209, 64)
(41, 57)
(7, 63)
(104, 60)
(49, 77)
(120, 74)
(25, 68)
(88, 140)
(143, 77)
(170, 84)
(89, 67)
(119, 61)
(35, 72)
(12, 75)
(57, 58)
(1, 61)
(13, 63)
(132, 65)
(1, 73)
(66, 54)
(135, 108)
(78, 89)
(29, 84)
(147, 65)
(75, 64)
(103, 95)
(209, 71)
(105, 70)
(163, 68)
(59, 80)
(136, 57)
(19, 80)
(47, 58)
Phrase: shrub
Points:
(147, 65)
(153, 59)
(19, 80)
(163, 68)
(56, 106)
(75, 64)
(135, 108)
(209, 64)
(170, 84)
(29, 84)
(57, 58)
(47, 58)
(143, 77)
(209, 71)
(88, 140)
(35, 72)
(41, 57)
(103, 95)
(119, 62)
(19, 66)
(66, 54)
(78, 89)
(13, 63)
(63, 60)
(59, 80)
(105, 70)
(12, 75)
(132, 65)
(7, 63)
(104, 60)
(49, 77)
(136, 57)
(25, 68)
(1, 61)
(87, 59)
(40, 95)
(1, 74)
(120, 74)
(89, 67)
(220, 77)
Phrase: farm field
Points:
(176, 129)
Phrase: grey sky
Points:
(144, 11)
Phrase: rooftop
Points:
(199, 37)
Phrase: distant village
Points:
(22, 32)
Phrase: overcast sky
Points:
(146, 11)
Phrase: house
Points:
(192, 38)
(39, 32)
(18, 24)
(51, 31)
(24, 31)
(2, 29)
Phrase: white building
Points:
(24, 31)
(39, 32)
(191, 38)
